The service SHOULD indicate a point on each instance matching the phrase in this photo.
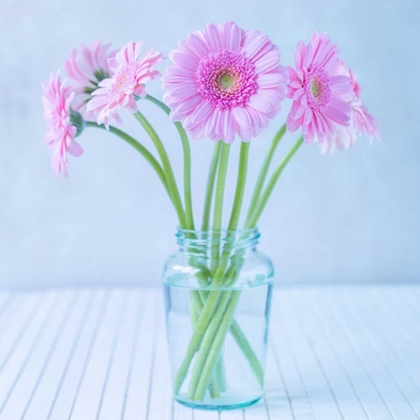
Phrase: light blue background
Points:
(353, 217)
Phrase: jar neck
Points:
(243, 239)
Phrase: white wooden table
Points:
(336, 352)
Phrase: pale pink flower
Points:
(320, 95)
(362, 122)
(60, 135)
(87, 66)
(130, 73)
(342, 139)
(225, 82)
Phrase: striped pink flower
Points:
(61, 134)
(320, 95)
(130, 72)
(362, 122)
(225, 82)
(88, 66)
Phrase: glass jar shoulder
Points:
(248, 269)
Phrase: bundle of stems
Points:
(213, 306)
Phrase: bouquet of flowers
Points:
(224, 84)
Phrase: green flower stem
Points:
(237, 204)
(264, 170)
(189, 218)
(218, 203)
(201, 326)
(219, 382)
(211, 179)
(196, 305)
(206, 343)
(193, 311)
(199, 300)
(240, 186)
(224, 318)
(210, 186)
(140, 148)
(248, 351)
(206, 304)
(202, 276)
(216, 338)
(219, 373)
(238, 335)
(210, 354)
(235, 330)
(173, 188)
(236, 211)
(196, 298)
(253, 220)
(226, 323)
(214, 389)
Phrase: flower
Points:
(342, 139)
(60, 131)
(320, 95)
(129, 75)
(362, 122)
(87, 67)
(225, 82)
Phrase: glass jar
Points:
(217, 296)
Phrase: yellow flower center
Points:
(315, 87)
(226, 80)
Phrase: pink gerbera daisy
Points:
(342, 139)
(225, 82)
(60, 131)
(320, 95)
(130, 73)
(88, 66)
(362, 122)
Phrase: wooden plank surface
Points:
(335, 352)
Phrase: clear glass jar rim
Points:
(240, 237)
(249, 232)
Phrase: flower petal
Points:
(185, 60)
(211, 32)
(183, 90)
(189, 104)
(241, 116)
(260, 104)
(201, 112)
(254, 44)
(198, 41)
(339, 111)
(268, 62)
(228, 126)
(74, 148)
(268, 80)
(297, 110)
